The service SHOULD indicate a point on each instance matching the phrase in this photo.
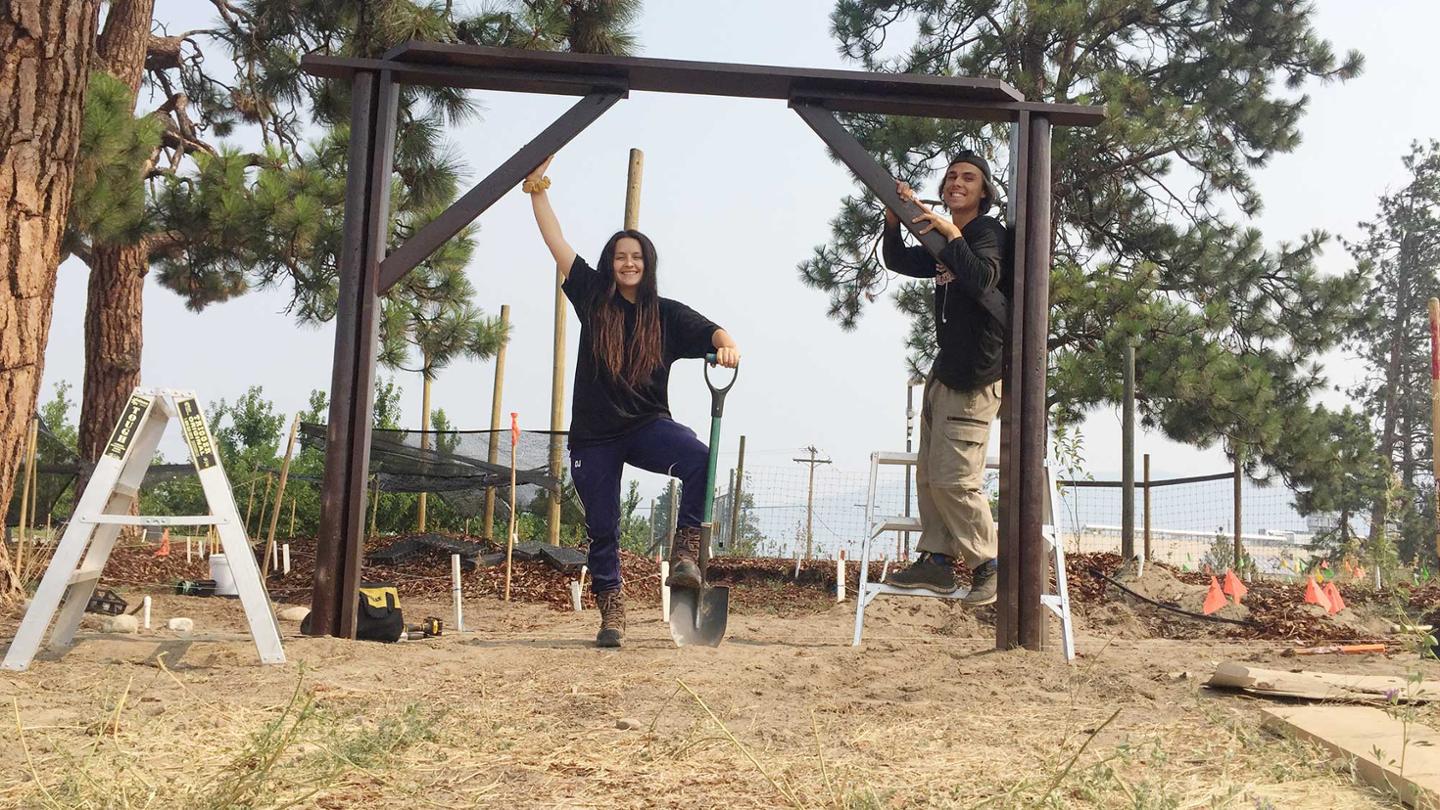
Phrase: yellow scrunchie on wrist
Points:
(535, 186)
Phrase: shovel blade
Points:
(698, 616)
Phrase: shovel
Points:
(699, 615)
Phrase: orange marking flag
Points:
(1215, 599)
(1332, 593)
(1315, 596)
(1234, 587)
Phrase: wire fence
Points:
(1192, 522)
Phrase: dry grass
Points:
(524, 714)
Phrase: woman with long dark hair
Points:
(620, 414)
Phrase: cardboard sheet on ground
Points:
(1309, 685)
(1375, 742)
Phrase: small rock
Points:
(122, 624)
(293, 614)
(182, 625)
(627, 724)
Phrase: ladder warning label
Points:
(192, 424)
(127, 427)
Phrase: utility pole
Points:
(810, 501)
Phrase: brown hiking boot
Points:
(685, 559)
(924, 573)
(612, 618)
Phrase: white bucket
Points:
(220, 572)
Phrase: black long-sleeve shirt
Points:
(974, 267)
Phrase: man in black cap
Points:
(962, 391)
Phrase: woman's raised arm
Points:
(535, 185)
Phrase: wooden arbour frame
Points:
(366, 271)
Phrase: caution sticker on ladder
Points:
(192, 424)
(125, 429)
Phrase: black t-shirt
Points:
(602, 409)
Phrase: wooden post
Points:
(250, 502)
(557, 410)
(1127, 455)
(339, 541)
(374, 505)
(34, 473)
(424, 436)
(29, 459)
(1007, 578)
(487, 528)
(280, 496)
(633, 180)
(725, 536)
(1148, 551)
(736, 493)
(510, 534)
(1034, 561)
(26, 483)
(264, 502)
(1239, 478)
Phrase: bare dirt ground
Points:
(520, 711)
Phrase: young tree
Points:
(1198, 94)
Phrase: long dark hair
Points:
(629, 365)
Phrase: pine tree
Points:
(1400, 252)
(1198, 95)
(221, 221)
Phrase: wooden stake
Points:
(28, 477)
(264, 502)
(1239, 477)
(35, 475)
(633, 180)
(488, 527)
(374, 505)
(249, 502)
(1147, 508)
(557, 407)
(292, 519)
(510, 534)
(280, 497)
(424, 437)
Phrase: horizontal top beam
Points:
(514, 70)
(701, 78)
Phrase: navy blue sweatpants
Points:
(663, 446)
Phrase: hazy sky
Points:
(736, 193)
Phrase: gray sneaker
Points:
(924, 574)
(982, 586)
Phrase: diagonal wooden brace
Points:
(485, 193)
(866, 168)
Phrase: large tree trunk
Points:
(45, 54)
(113, 337)
(114, 308)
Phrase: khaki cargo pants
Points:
(950, 476)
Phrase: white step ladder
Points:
(104, 507)
(1058, 603)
